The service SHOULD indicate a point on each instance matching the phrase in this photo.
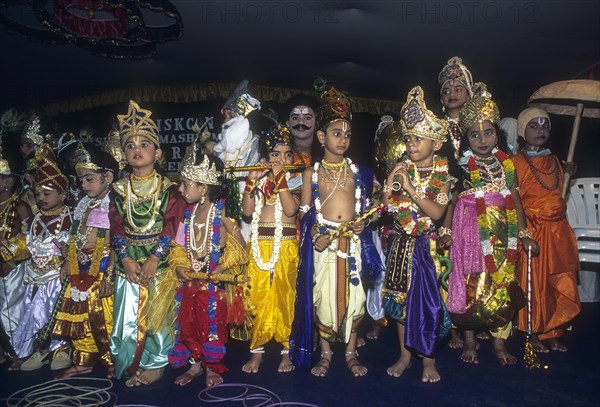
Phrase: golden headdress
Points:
(83, 159)
(278, 134)
(137, 121)
(455, 70)
(113, 147)
(204, 173)
(416, 119)
(479, 109)
(32, 131)
(240, 101)
(333, 106)
(48, 175)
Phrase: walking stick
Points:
(530, 357)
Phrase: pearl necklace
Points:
(196, 253)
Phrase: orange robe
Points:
(555, 299)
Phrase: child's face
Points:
(301, 122)
(191, 191)
(93, 184)
(27, 147)
(336, 138)
(282, 153)
(482, 138)
(537, 132)
(420, 149)
(7, 183)
(48, 199)
(141, 152)
(454, 96)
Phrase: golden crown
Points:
(204, 173)
(83, 159)
(32, 130)
(137, 121)
(478, 109)
(416, 119)
(455, 70)
(333, 106)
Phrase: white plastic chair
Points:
(584, 218)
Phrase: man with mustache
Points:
(301, 122)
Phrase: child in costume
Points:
(332, 253)
(273, 252)
(86, 313)
(14, 217)
(487, 220)
(555, 299)
(49, 231)
(208, 256)
(416, 193)
(144, 215)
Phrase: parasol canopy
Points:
(578, 97)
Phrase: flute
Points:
(288, 167)
(346, 227)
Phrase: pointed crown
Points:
(479, 109)
(204, 173)
(416, 119)
(333, 106)
(48, 175)
(455, 70)
(137, 121)
(32, 130)
(240, 101)
(83, 159)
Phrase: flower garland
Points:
(412, 219)
(80, 285)
(485, 231)
(350, 256)
(256, 255)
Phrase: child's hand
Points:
(570, 167)
(182, 274)
(529, 242)
(106, 289)
(149, 269)
(277, 167)
(357, 227)
(445, 242)
(322, 242)
(400, 174)
(256, 175)
(132, 270)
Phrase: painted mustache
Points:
(301, 127)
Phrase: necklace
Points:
(336, 172)
(52, 212)
(9, 199)
(200, 251)
(215, 239)
(536, 172)
(132, 200)
(350, 255)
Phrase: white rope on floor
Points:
(73, 391)
(247, 394)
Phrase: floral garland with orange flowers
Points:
(412, 219)
(485, 231)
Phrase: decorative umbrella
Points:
(579, 98)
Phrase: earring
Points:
(443, 109)
(202, 199)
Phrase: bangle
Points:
(304, 208)
(441, 198)
(444, 231)
(523, 233)
(250, 184)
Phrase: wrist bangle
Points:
(444, 231)
(523, 233)
(418, 195)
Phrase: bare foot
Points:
(74, 371)
(360, 341)
(502, 354)
(194, 371)
(133, 380)
(374, 332)
(213, 378)
(556, 345)
(537, 345)
(355, 366)
(483, 335)
(110, 374)
(322, 367)
(253, 364)
(430, 373)
(15, 365)
(456, 341)
(398, 368)
(469, 353)
(147, 377)
(286, 364)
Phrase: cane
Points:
(530, 357)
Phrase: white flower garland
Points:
(270, 265)
(357, 208)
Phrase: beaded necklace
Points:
(483, 218)
(132, 198)
(350, 256)
(215, 239)
(412, 219)
(536, 172)
(198, 265)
